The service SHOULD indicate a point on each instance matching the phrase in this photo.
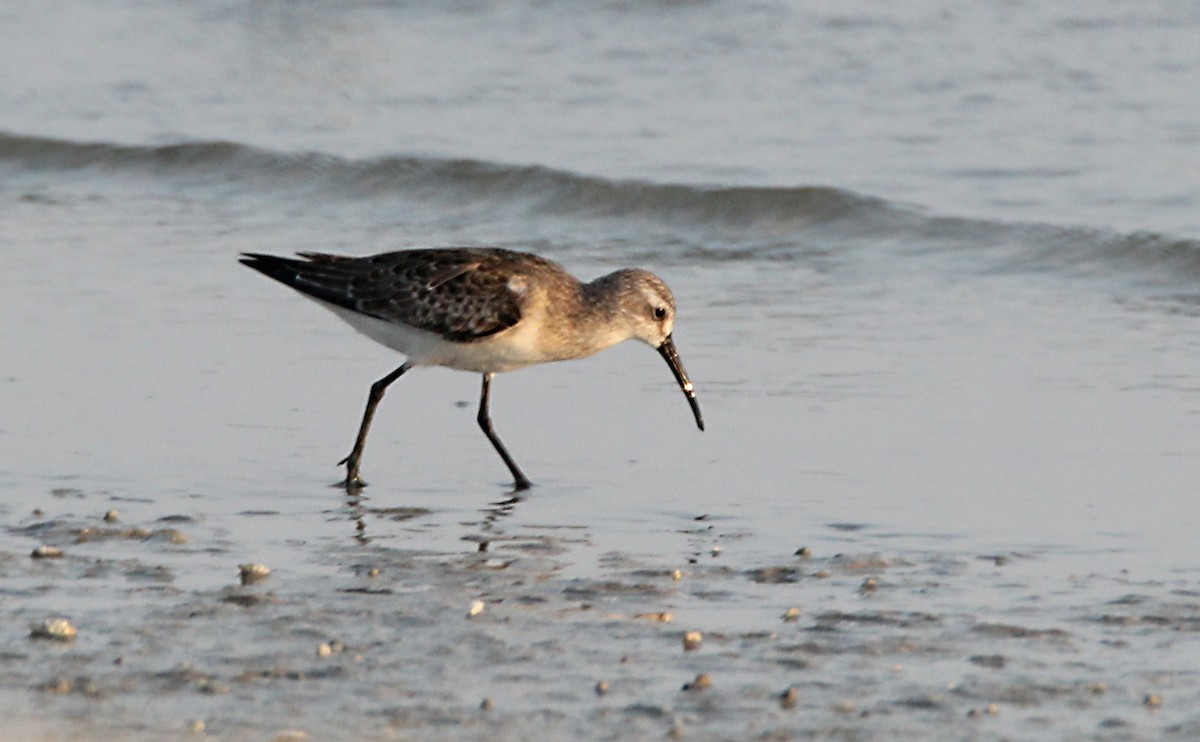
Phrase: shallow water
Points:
(943, 328)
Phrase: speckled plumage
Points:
(486, 310)
(459, 294)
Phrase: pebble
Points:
(791, 615)
(716, 551)
(692, 640)
(602, 687)
(251, 573)
(870, 583)
(677, 575)
(789, 698)
(475, 609)
(991, 710)
(1152, 700)
(196, 727)
(59, 629)
(662, 617)
(487, 704)
(373, 572)
(172, 536)
(45, 551)
(210, 687)
(111, 517)
(803, 552)
(700, 682)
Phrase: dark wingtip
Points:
(272, 266)
(310, 276)
(257, 260)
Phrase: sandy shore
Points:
(505, 637)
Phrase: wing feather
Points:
(460, 294)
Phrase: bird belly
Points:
(508, 350)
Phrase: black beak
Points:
(671, 356)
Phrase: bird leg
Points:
(485, 423)
(353, 480)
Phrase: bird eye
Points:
(660, 313)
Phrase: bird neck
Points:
(592, 321)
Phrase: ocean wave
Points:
(532, 186)
(772, 221)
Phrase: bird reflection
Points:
(357, 509)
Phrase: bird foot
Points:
(353, 482)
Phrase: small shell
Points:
(59, 629)
(476, 608)
(700, 682)
(45, 551)
(251, 573)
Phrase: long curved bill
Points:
(671, 356)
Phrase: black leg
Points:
(485, 422)
(353, 480)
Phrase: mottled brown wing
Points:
(460, 294)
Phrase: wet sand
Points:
(973, 549)
(410, 623)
